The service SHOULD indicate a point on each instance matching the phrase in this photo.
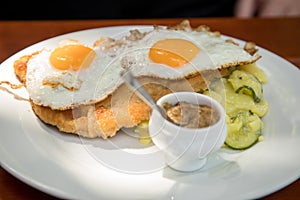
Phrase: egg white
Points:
(214, 53)
(71, 88)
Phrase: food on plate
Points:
(77, 88)
(240, 93)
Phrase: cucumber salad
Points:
(241, 94)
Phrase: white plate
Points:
(70, 167)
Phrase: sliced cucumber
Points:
(246, 83)
(244, 130)
(250, 91)
(256, 71)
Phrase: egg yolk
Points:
(173, 52)
(72, 57)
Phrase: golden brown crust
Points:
(64, 120)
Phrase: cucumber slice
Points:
(244, 130)
(250, 91)
(242, 140)
(256, 71)
(246, 83)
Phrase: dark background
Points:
(113, 9)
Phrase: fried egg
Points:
(63, 77)
(74, 74)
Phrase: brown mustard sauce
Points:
(191, 115)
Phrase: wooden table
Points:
(280, 36)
